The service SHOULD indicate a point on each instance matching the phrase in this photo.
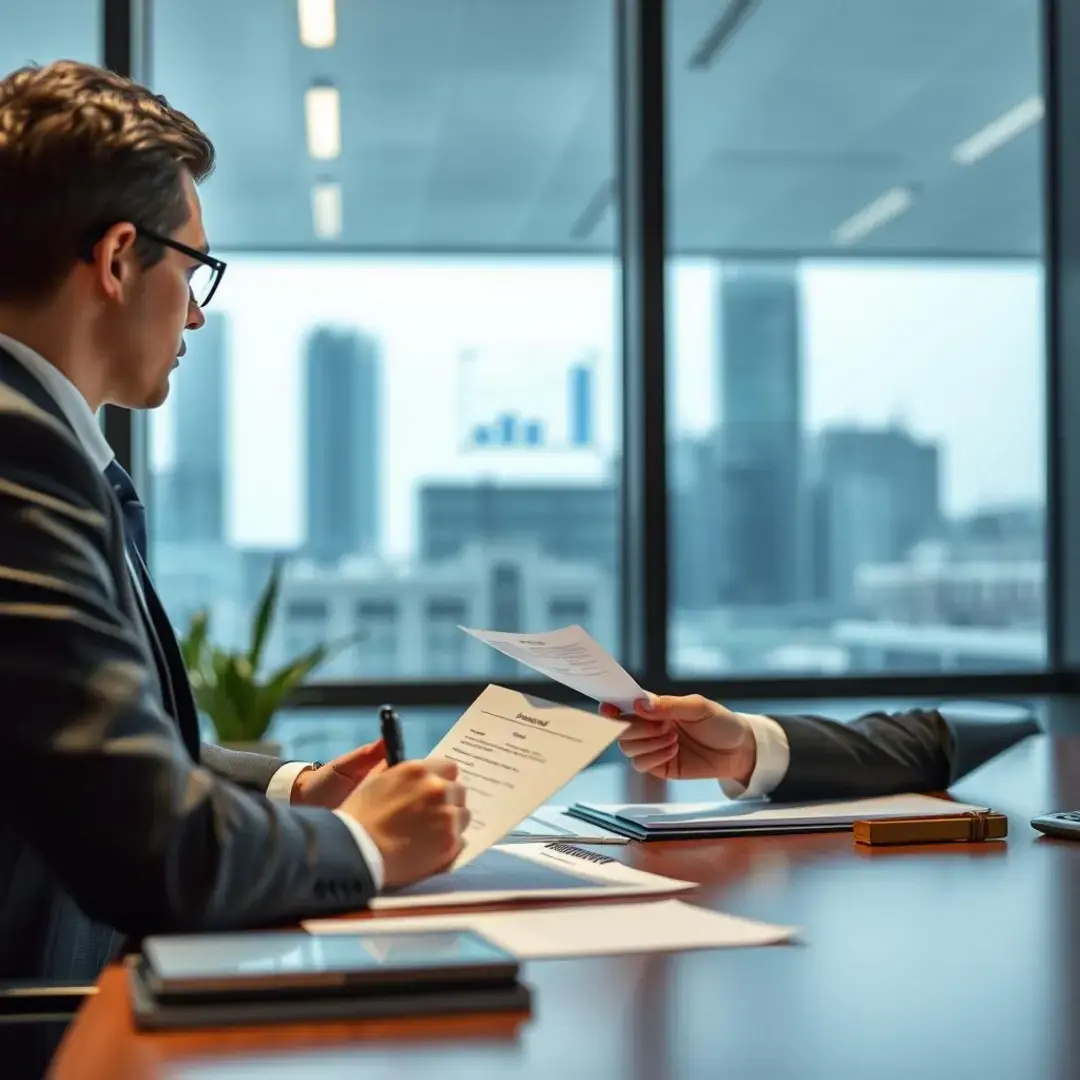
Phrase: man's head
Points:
(93, 168)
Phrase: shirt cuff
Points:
(773, 758)
(368, 848)
(281, 783)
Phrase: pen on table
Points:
(390, 727)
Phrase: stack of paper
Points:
(554, 823)
(589, 930)
(521, 872)
(670, 821)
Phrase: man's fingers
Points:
(657, 759)
(360, 760)
(646, 729)
(666, 707)
(455, 794)
(612, 712)
(448, 770)
(639, 747)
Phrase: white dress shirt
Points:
(773, 758)
(92, 439)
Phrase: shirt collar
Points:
(70, 402)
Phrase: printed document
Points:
(513, 753)
(584, 930)
(527, 872)
(570, 656)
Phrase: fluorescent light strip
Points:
(322, 110)
(326, 210)
(882, 210)
(318, 23)
(1000, 131)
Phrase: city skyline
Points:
(987, 318)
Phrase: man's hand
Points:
(333, 782)
(688, 738)
(415, 813)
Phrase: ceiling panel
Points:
(489, 124)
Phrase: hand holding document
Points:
(572, 657)
(513, 753)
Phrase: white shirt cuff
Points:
(773, 758)
(281, 783)
(368, 848)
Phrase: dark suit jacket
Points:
(891, 753)
(107, 820)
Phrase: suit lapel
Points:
(172, 675)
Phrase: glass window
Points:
(409, 380)
(856, 357)
(50, 30)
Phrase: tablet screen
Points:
(215, 957)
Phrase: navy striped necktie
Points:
(132, 507)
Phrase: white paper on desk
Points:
(513, 753)
(570, 656)
(554, 823)
(584, 930)
(763, 815)
(530, 872)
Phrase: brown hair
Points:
(82, 149)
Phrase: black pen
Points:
(390, 727)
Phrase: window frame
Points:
(644, 511)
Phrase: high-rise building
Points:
(575, 522)
(760, 506)
(343, 412)
(877, 497)
(190, 493)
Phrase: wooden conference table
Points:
(960, 962)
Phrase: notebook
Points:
(681, 821)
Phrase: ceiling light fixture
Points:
(322, 111)
(326, 209)
(1000, 131)
(882, 210)
(318, 23)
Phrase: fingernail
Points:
(645, 705)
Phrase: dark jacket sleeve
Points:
(142, 837)
(252, 771)
(891, 753)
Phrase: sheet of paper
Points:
(527, 872)
(570, 656)
(554, 823)
(513, 753)
(750, 814)
(585, 930)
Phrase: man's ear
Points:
(115, 261)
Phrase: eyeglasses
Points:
(204, 277)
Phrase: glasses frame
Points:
(217, 265)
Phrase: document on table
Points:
(513, 753)
(680, 820)
(570, 656)
(554, 823)
(529, 872)
(585, 930)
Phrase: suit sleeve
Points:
(143, 838)
(252, 771)
(878, 754)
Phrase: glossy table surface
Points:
(959, 961)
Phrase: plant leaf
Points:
(193, 645)
(264, 615)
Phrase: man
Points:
(797, 758)
(112, 817)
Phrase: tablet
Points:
(272, 963)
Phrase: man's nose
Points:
(196, 318)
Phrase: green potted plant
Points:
(229, 687)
